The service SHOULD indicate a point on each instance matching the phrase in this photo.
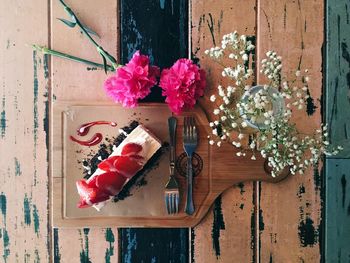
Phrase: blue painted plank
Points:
(336, 213)
(337, 207)
(337, 73)
(158, 29)
(153, 245)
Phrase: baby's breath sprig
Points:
(265, 108)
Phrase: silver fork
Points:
(171, 193)
(190, 139)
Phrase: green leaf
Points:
(72, 24)
(90, 31)
(67, 22)
(104, 64)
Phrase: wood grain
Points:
(290, 213)
(74, 81)
(227, 233)
(25, 232)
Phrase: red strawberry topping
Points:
(127, 165)
(107, 165)
(90, 195)
(110, 182)
(131, 148)
(117, 170)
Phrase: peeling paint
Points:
(346, 56)
(18, 171)
(218, 225)
(343, 189)
(3, 119)
(193, 237)
(56, 247)
(84, 253)
(27, 210)
(131, 245)
(162, 4)
(6, 241)
(3, 205)
(241, 187)
(109, 236)
(301, 191)
(37, 256)
(308, 235)
(310, 105)
(35, 99)
(36, 219)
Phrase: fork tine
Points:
(167, 203)
(173, 203)
(192, 127)
(195, 134)
(177, 203)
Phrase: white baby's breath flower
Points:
(245, 57)
(244, 124)
(240, 136)
(212, 98)
(216, 112)
(211, 142)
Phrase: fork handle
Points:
(189, 209)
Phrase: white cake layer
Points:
(140, 135)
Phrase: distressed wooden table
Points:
(304, 219)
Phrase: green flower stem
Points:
(55, 53)
(100, 49)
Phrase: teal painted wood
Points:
(337, 246)
(337, 73)
(337, 113)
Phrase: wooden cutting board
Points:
(145, 204)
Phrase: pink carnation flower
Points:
(182, 85)
(132, 81)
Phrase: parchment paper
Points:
(146, 200)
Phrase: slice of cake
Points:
(113, 173)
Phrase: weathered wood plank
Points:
(337, 81)
(337, 73)
(153, 245)
(227, 233)
(337, 248)
(24, 225)
(73, 81)
(90, 245)
(291, 210)
(157, 29)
